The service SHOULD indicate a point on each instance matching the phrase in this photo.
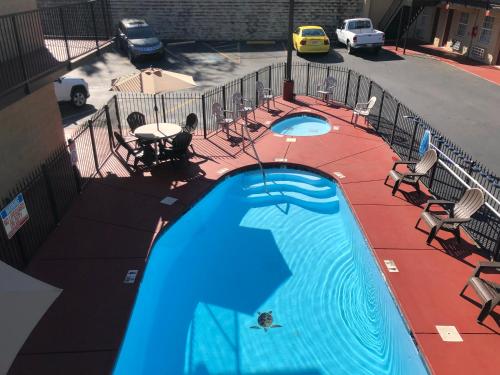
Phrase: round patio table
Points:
(155, 132)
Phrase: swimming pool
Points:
(301, 125)
(295, 250)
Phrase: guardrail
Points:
(51, 187)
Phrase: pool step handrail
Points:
(256, 154)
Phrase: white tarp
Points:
(23, 301)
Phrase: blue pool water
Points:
(301, 125)
(296, 251)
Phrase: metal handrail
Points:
(256, 154)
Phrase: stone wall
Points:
(229, 19)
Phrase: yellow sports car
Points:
(310, 39)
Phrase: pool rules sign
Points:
(14, 215)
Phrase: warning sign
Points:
(14, 215)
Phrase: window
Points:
(462, 24)
(142, 32)
(313, 32)
(362, 24)
(486, 30)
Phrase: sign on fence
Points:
(73, 153)
(14, 215)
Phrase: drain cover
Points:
(391, 265)
(168, 201)
(130, 277)
(339, 174)
(449, 333)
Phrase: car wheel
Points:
(78, 97)
(349, 49)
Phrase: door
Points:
(437, 13)
(449, 19)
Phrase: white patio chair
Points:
(363, 110)
(325, 90)
(242, 106)
(265, 95)
(221, 117)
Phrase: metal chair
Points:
(264, 94)
(325, 90)
(221, 119)
(242, 106)
(363, 110)
(144, 153)
(135, 119)
(191, 123)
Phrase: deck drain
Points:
(449, 334)
(280, 159)
(290, 139)
(339, 175)
(267, 123)
(336, 128)
(278, 135)
(222, 170)
(391, 265)
(168, 201)
(130, 276)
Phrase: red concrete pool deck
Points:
(490, 73)
(111, 226)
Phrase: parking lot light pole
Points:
(288, 82)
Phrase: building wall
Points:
(468, 41)
(30, 130)
(422, 27)
(377, 9)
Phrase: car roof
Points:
(359, 19)
(310, 27)
(134, 22)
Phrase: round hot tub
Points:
(302, 125)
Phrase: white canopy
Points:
(23, 301)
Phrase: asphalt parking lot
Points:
(460, 105)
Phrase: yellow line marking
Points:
(223, 54)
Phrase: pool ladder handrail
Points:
(256, 154)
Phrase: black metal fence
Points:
(38, 42)
(49, 190)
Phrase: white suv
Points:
(74, 90)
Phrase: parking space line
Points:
(181, 43)
(237, 61)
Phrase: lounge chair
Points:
(191, 123)
(221, 117)
(144, 153)
(456, 213)
(413, 177)
(488, 291)
(363, 110)
(264, 95)
(179, 149)
(242, 106)
(325, 90)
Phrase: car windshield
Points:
(313, 32)
(142, 32)
(365, 24)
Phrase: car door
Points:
(342, 33)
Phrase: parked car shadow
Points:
(333, 57)
(382, 55)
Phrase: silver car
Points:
(137, 38)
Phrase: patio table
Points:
(157, 132)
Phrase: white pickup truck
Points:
(358, 33)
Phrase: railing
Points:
(38, 42)
(94, 144)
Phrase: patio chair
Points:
(488, 291)
(144, 153)
(325, 90)
(456, 213)
(413, 177)
(264, 94)
(242, 106)
(179, 149)
(221, 119)
(363, 110)
(135, 119)
(191, 123)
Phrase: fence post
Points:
(92, 13)
(163, 107)
(94, 148)
(203, 107)
(347, 86)
(65, 35)
(307, 79)
(369, 91)
(433, 172)
(118, 114)
(241, 86)
(380, 109)
(395, 123)
(417, 123)
(27, 89)
(256, 92)
(109, 126)
(224, 96)
(270, 80)
(50, 193)
(357, 89)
